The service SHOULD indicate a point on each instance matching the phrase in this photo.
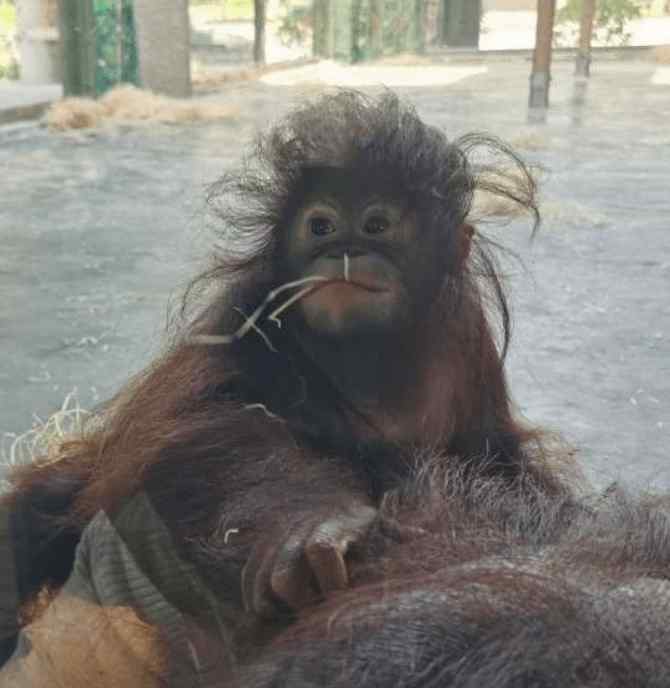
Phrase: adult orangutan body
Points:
(346, 341)
(463, 580)
(489, 586)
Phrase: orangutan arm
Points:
(78, 644)
(87, 635)
(115, 622)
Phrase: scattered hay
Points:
(488, 205)
(406, 59)
(530, 140)
(44, 439)
(128, 104)
(662, 54)
(574, 214)
(205, 81)
(75, 113)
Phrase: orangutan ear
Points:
(467, 231)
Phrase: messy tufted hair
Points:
(382, 139)
(258, 396)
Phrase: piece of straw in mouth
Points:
(274, 316)
(251, 320)
(257, 330)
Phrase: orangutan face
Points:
(380, 270)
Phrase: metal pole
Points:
(540, 77)
(583, 63)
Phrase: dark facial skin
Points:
(380, 262)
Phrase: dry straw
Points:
(128, 104)
(45, 438)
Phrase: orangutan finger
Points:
(255, 583)
(327, 563)
(328, 545)
(292, 581)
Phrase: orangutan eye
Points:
(320, 226)
(376, 225)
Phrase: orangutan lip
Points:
(373, 287)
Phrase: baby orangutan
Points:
(348, 328)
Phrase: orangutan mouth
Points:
(359, 283)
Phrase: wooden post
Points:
(583, 63)
(259, 32)
(376, 28)
(77, 28)
(540, 77)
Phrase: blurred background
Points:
(115, 115)
(101, 37)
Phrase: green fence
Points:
(99, 45)
(356, 30)
(115, 45)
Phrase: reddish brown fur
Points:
(465, 580)
(189, 429)
(491, 586)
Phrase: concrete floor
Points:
(99, 231)
(19, 101)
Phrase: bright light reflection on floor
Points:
(333, 74)
(661, 76)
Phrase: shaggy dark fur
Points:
(489, 586)
(258, 437)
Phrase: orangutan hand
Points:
(304, 562)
